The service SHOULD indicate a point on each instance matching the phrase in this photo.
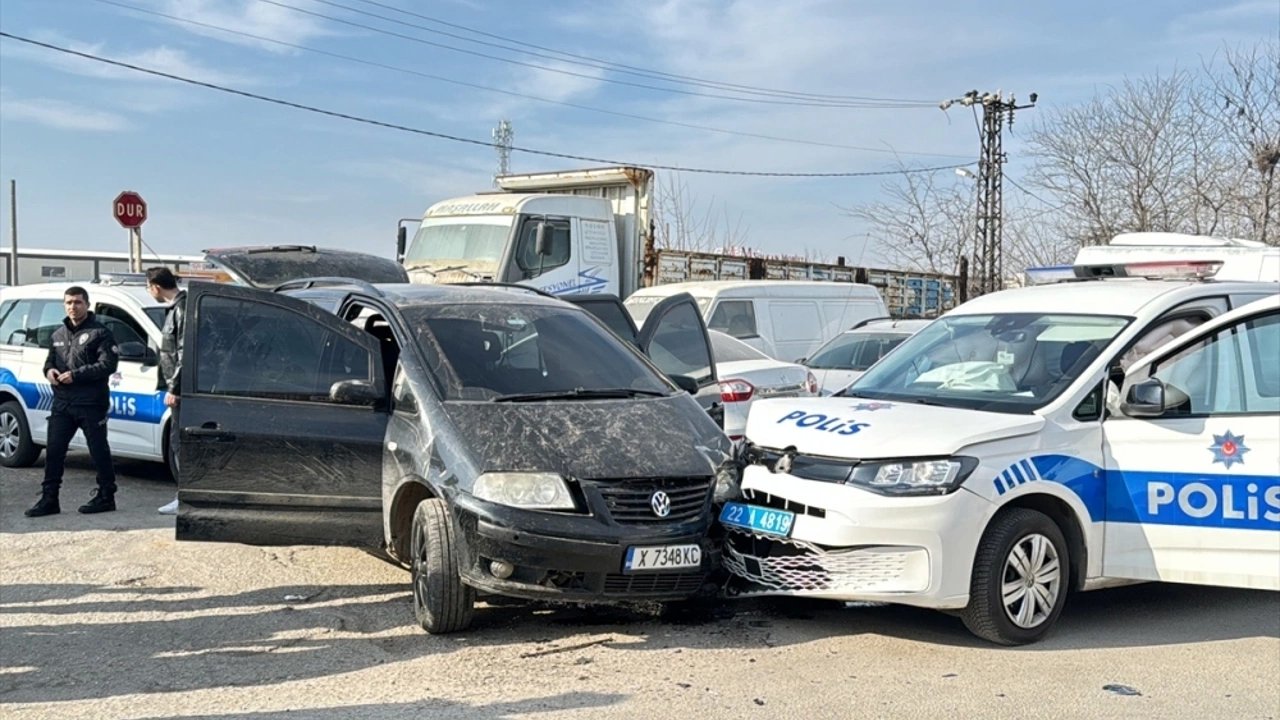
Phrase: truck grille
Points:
(630, 501)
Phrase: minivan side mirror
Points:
(1145, 399)
(354, 392)
(685, 383)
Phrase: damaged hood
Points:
(592, 439)
(859, 428)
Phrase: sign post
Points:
(130, 210)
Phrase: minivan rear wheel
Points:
(16, 447)
(442, 603)
(1020, 578)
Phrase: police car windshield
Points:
(1015, 362)
(486, 351)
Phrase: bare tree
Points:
(924, 222)
(680, 224)
(1244, 98)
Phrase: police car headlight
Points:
(533, 491)
(934, 476)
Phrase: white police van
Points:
(988, 466)
(138, 418)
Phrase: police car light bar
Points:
(1153, 270)
(1049, 274)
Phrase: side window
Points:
(258, 350)
(1158, 334)
(12, 325)
(1263, 337)
(736, 318)
(122, 326)
(45, 317)
(527, 256)
(1209, 377)
(678, 346)
(794, 321)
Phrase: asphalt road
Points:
(107, 617)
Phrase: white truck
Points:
(591, 231)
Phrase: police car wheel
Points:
(1020, 578)
(442, 603)
(16, 448)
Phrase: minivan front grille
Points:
(652, 583)
(630, 502)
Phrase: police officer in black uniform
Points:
(81, 361)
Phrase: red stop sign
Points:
(129, 209)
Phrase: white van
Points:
(785, 319)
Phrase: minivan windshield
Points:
(527, 352)
(1009, 362)
(641, 305)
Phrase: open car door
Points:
(675, 339)
(281, 423)
(609, 310)
(1193, 461)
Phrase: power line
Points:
(455, 138)
(587, 61)
(511, 93)
(571, 73)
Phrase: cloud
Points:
(62, 115)
(246, 16)
(162, 58)
(1242, 21)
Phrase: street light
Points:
(966, 173)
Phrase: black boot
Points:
(47, 505)
(100, 502)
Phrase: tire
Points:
(170, 455)
(442, 603)
(1014, 539)
(16, 447)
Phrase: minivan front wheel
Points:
(442, 603)
(16, 447)
(1020, 578)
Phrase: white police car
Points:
(983, 468)
(28, 316)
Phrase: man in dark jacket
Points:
(163, 287)
(82, 358)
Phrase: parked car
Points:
(267, 266)
(492, 439)
(747, 375)
(980, 468)
(784, 319)
(852, 352)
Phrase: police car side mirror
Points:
(354, 392)
(1145, 399)
(135, 351)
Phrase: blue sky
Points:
(220, 170)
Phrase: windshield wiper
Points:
(579, 394)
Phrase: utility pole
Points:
(986, 271)
(13, 232)
(502, 137)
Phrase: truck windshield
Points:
(1015, 362)
(467, 241)
(488, 352)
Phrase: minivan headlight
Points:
(923, 476)
(532, 491)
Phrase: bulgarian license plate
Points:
(662, 557)
(765, 521)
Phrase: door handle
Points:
(209, 432)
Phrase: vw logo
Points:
(661, 504)
(783, 465)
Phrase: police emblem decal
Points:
(660, 502)
(1228, 449)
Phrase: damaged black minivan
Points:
(494, 440)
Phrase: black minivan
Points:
(493, 439)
